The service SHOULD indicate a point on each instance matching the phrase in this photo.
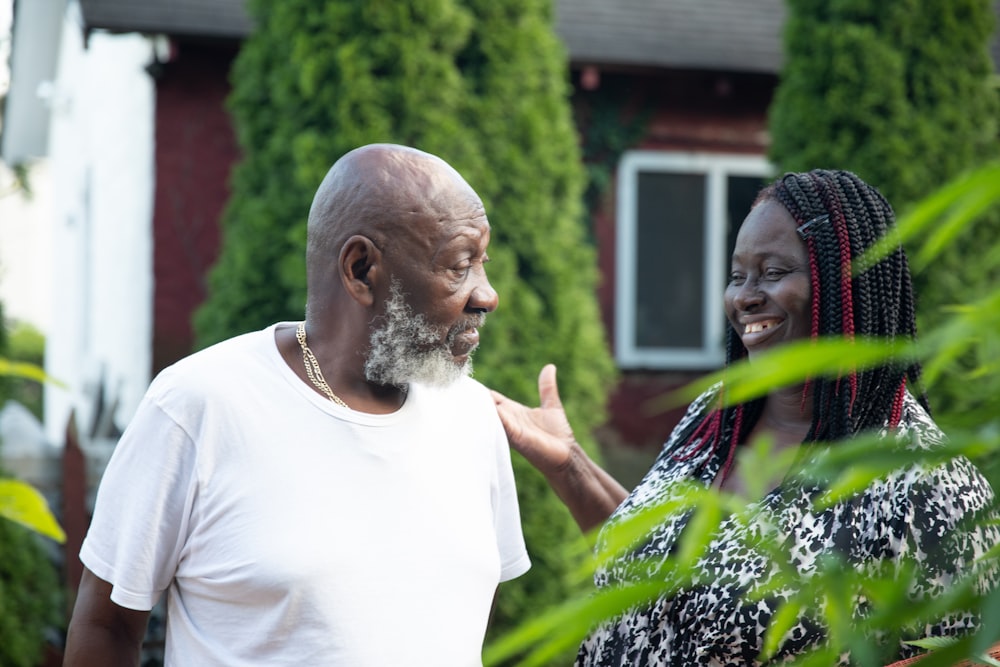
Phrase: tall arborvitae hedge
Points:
(484, 85)
(533, 181)
(904, 94)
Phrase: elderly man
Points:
(336, 491)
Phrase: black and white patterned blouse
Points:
(908, 513)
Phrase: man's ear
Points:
(360, 264)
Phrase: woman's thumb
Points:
(548, 389)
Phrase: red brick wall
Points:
(195, 149)
(694, 111)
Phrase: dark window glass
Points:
(678, 219)
(742, 190)
(670, 281)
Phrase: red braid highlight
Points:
(708, 430)
(814, 327)
(814, 279)
(733, 442)
(897, 405)
(846, 291)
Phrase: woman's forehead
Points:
(768, 224)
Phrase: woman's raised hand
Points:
(543, 434)
(544, 437)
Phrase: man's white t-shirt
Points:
(290, 531)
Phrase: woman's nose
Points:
(748, 296)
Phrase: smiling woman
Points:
(768, 296)
(793, 277)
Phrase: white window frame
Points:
(716, 167)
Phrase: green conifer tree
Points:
(904, 94)
(484, 86)
(533, 182)
(900, 93)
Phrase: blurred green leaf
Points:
(564, 626)
(970, 325)
(783, 620)
(20, 502)
(787, 365)
(25, 370)
(949, 211)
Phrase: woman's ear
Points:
(360, 263)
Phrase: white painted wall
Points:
(25, 229)
(25, 246)
(102, 170)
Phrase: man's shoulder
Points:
(228, 348)
(469, 388)
(465, 396)
(223, 361)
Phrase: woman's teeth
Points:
(757, 327)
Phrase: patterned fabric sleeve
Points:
(937, 518)
(928, 523)
(943, 510)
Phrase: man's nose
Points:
(483, 298)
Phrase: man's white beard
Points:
(399, 347)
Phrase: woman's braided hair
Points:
(839, 217)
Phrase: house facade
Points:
(671, 99)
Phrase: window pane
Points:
(741, 191)
(677, 215)
(670, 254)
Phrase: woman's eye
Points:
(736, 278)
(774, 273)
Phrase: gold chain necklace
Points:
(312, 367)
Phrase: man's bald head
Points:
(379, 191)
(395, 263)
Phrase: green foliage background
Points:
(26, 344)
(904, 94)
(31, 596)
(31, 599)
(483, 84)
